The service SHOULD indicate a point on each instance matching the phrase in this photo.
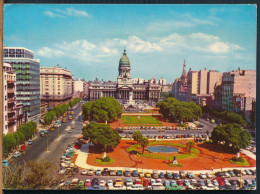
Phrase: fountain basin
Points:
(162, 149)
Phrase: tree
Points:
(144, 142)
(232, 135)
(101, 135)
(137, 136)
(103, 109)
(9, 142)
(32, 175)
(190, 144)
(174, 110)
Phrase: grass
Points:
(142, 120)
(100, 161)
(175, 165)
(239, 161)
(194, 151)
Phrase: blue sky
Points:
(89, 39)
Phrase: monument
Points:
(174, 160)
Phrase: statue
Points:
(174, 160)
(105, 155)
(238, 155)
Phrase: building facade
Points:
(214, 80)
(57, 85)
(179, 86)
(9, 102)
(238, 90)
(78, 88)
(126, 87)
(27, 80)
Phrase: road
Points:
(39, 146)
(207, 126)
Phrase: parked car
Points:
(152, 181)
(173, 182)
(135, 173)
(84, 172)
(232, 174)
(102, 183)
(182, 174)
(96, 187)
(202, 175)
(87, 183)
(17, 154)
(190, 175)
(208, 175)
(201, 182)
(155, 174)
(169, 175)
(119, 182)
(91, 172)
(129, 182)
(127, 173)
(112, 173)
(105, 172)
(161, 175)
(94, 181)
(237, 172)
(176, 176)
(98, 172)
(135, 187)
(110, 183)
(30, 142)
(179, 182)
(119, 172)
(148, 174)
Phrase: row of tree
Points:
(233, 136)
(73, 102)
(101, 110)
(176, 110)
(23, 133)
(58, 111)
(102, 136)
(229, 117)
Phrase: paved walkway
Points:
(249, 154)
(82, 157)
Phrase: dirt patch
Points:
(207, 158)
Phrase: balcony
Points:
(11, 119)
(10, 100)
(10, 90)
(10, 81)
(56, 97)
(11, 110)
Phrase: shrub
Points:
(106, 159)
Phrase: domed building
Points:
(126, 89)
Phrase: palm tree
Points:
(137, 136)
(144, 142)
(190, 145)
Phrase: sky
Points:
(89, 39)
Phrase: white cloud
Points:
(67, 12)
(49, 52)
(52, 14)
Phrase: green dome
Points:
(124, 59)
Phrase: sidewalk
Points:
(81, 162)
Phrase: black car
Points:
(105, 172)
(253, 172)
(234, 183)
(95, 181)
(237, 172)
(76, 169)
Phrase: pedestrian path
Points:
(249, 154)
(83, 153)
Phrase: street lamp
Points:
(47, 143)
(58, 132)
(221, 157)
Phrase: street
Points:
(38, 149)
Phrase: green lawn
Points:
(241, 161)
(99, 161)
(142, 120)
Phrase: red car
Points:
(146, 183)
(220, 181)
(138, 181)
(179, 182)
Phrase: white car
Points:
(91, 172)
(110, 183)
(62, 170)
(129, 182)
(202, 175)
(243, 172)
(209, 184)
(102, 183)
(117, 187)
(152, 181)
(135, 187)
(84, 172)
(208, 175)
(227, 183)
(193, 181)
(158, 180)
(215, 183)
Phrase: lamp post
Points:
(58, 132)
(240, 177)
(47, 143)
(221, 157)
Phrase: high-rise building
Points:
(192, 85)
(238, 90)
(202, 81)
(57, 85)
(214, 79)
(9, 91)
(27, 80)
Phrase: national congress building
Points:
(125, 86)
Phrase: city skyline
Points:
(92, 37)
